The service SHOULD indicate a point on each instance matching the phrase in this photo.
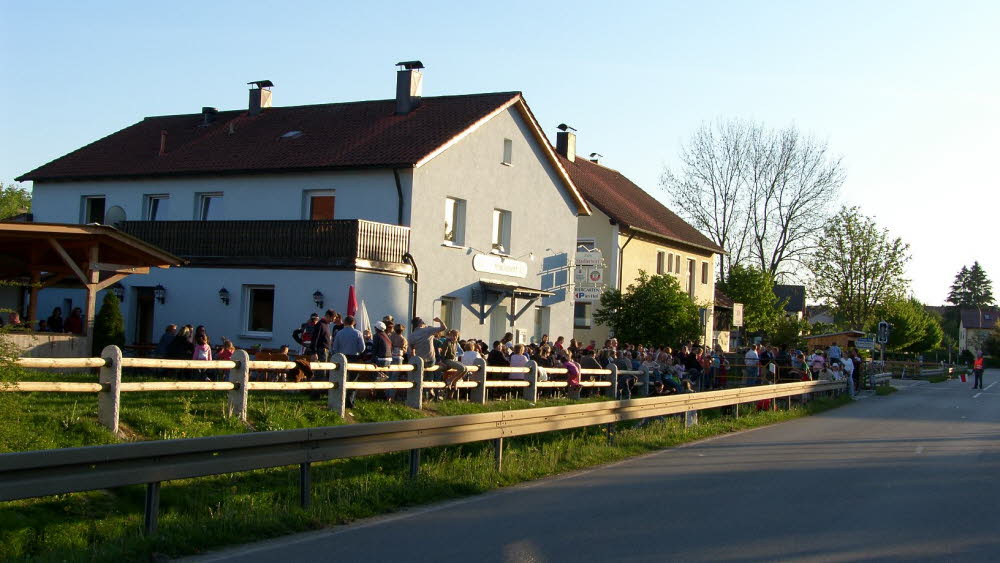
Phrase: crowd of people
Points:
(73, 324)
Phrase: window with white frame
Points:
(319, 205)
(670, 263)
(258, 310)
(704, 273)
(209, 207)
(449, 312)
(501, 231)
(454, 221)
(93, 209)
(156, 207)
(508, 151)
(661, 257)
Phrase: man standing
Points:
(164, 344)
(321, 337)
(350, 343)
(422, 342)
(303, 335)
(753, 363)
(977, 370)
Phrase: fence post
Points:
(613, 377)
(239, 376)
(690, 419)
(415, 395)
(645, 382)
(109, 397)
(479, 393)
(531, 391)
(336, 399)
(305, 484)
(414, 463)
(498, 453)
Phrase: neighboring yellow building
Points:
(633, 232)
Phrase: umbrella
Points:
(352, 302)
(363, 322)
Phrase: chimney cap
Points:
(410, 65)
(564, 127)
(596, 155)
(207, 109)
(262, 83)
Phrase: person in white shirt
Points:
(469, 355)
(849, 375)
(518, 360)
(753, 363)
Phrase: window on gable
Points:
(454, 221)
(501, 231)
(677, 263)
(93, 209)
(704, 272)
(660, 259)
(156, 207)
(210, 207)
(508, 151)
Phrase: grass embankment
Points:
(204, 513)
(883, 390)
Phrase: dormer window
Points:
(291, 135)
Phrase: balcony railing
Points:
(344, 243)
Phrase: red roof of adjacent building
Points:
(331, 136)
(628, 204)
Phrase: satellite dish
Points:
(114, 216)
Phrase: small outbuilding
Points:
(845, 339)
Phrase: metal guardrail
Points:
(48, 472)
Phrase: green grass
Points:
(205, 513)
(883, 390)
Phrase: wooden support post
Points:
(414, 464)
(305, 485)
(109, 398)
(151, 512)
(36, 281)
(415, 395)
(239, 376)
(613, 377)
(498, 453)
(336, 399)
(479, 393)
(531, 391)
(645, 382)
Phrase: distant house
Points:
(794, 297)
(631, 231)
(974, 327)
(449, 206)
(819, 314)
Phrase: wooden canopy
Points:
(96, 256)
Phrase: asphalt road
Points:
(911, 476)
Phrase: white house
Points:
(450, 206)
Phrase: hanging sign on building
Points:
(589, 258)
(588, 294)
(596, 275)
(493, 264)
(737, 314)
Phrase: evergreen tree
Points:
(109, 328)
(972, 288)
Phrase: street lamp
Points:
(224, 296)
(318, 299)
(119, 292)
(160, 293)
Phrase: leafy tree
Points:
(991, 345)
(14, 200)
(754, 288)
(761, 194)
(972, 288)
(933, 335)
(109, 328)
(857, 267)
(654, 310)
(913, 328)
(788, 331)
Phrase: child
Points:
(202, 351)
(572, 376)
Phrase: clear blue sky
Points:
(907, 92)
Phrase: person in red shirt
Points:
(977, 370)
(74, 323)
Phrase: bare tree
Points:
(761, 194)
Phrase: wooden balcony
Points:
(349, 243)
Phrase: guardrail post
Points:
(109, 397)
(415, 395)
(645, 382)
(498, 453)
(613, 377)
(414, 463)
(479, 393)
(531, 391)
(305, 484)
(336, 399)
(239, 376)
(151, 511)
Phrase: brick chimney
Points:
(260, 96)
(566, 142)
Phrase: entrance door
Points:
(143, 332)
(498, 323)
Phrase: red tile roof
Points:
(630, 205)
(342, 135)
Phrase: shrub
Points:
(109, 327)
